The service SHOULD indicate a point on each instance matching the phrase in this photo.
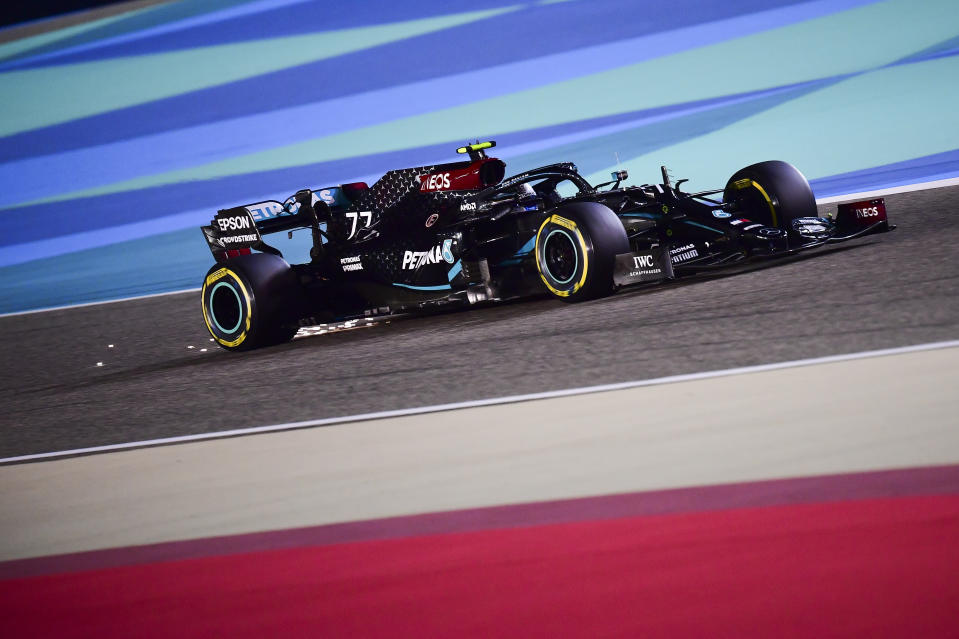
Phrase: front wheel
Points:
(247, 302)
(773, 193)
(576, 250)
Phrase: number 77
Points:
(354, 218)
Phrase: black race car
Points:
(457, 234)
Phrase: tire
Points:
(246, 302)
(772, 193)
(576, 249)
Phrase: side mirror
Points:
(618, 177)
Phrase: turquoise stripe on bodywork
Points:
(529, 246)
(457, 268)
(441, 287)
(518, 256)
(703, 226)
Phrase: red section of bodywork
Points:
(353, 190)
(471, 178)
(231, 253)
(862, 214)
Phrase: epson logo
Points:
(642, 261)
(435, 182)
(233, 223)
(468, 206)
(869, 211)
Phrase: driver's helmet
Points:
(525, 191)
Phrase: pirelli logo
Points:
(216, 275)
(562, 221)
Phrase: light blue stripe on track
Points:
(587, 147)
(170, 27)
(37, 178)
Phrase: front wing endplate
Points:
(653, 265)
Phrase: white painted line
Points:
(905, 188)
(493, 401)
(121, 299)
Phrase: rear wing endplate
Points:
(240, 229)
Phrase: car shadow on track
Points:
(362, 331)
(706, 276)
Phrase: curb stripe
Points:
(845, 487)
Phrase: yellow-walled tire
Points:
(249, 302)
(773, 193)
(576, 249)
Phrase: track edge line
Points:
(480, 403)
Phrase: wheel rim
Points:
(226, 308)
(561, 258)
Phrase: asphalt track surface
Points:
(890, 290)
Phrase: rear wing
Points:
(238, 230)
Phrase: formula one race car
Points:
(438, 236)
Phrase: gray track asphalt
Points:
(891, 290)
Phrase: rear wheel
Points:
(576, 250)
(772, 193)
(247, 302)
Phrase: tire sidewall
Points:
(557, 228)
(264, 287)
(228, 337)
(597, 236)
(776, 193)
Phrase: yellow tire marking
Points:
(568, 224)
(213, 278)
(746, 183)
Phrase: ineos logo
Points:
(435, 182)
(233, 223)
(870, 211)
